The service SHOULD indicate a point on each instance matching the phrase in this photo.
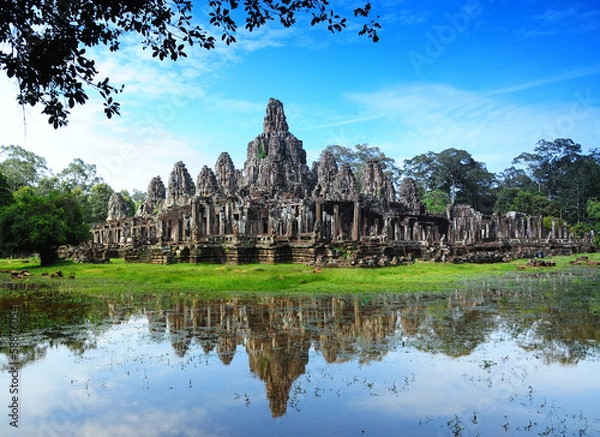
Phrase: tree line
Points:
(40, 211)
(557, 180)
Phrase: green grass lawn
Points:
(117, 277)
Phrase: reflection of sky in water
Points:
(134, 383)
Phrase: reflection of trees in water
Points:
(453, 325)
(49, 320)
(555, 316)
(561, 322)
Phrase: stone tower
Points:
(181, 186)
(375, 184)
(276, 162)
(226, 175)
(154, 199)
(207, 183)
(117, 208)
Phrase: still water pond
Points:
(518, 358)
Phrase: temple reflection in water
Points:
(553, 315)
(279, 333)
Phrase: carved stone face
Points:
(117, 207)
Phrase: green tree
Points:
(564, 174)
(21, 167)
(6, 196)
(96, 208)
(45, 42)
(593, 212)
(509, 183)
(505, 198)
(534, 203)
(514, 177)
(46, 185)
(129, 202)
(79, 178)
(138, 197)
(79, 174)
(455, 172)
(436, 201)
(422, 169)
(548, 163)
(39, 224)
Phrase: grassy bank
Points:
(117, 277)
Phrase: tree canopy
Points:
(564, 174)
(41, 224)
(43, 43)
(456, 173)
(96, 204)
(79, 174)
(21, 167)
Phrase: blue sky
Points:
(489, 77)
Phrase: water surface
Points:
(514, 358)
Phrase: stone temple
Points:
(280, 209)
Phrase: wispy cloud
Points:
(343, 122)
(548, 80)
(417, 118)
(572, 18)
(127, 151)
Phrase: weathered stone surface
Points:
(181, 186)
(375, 184)
(275, 119)
(344, 188)
(207, 183)
(89, 254)
(117, 207)
(226, 175)
(408, 192)
(408, 195)
(276, 162)
(326, 172)
(156, 190)
(155, 198)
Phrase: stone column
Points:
(553, 234)
(222, 223)
(207, 211)
(356, 222)
(195, 224)
(318, 220)
(227, 219)
(336, 221)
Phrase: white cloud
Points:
(548, 80)
(558, 21)
(423, 117)
(127, 151)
